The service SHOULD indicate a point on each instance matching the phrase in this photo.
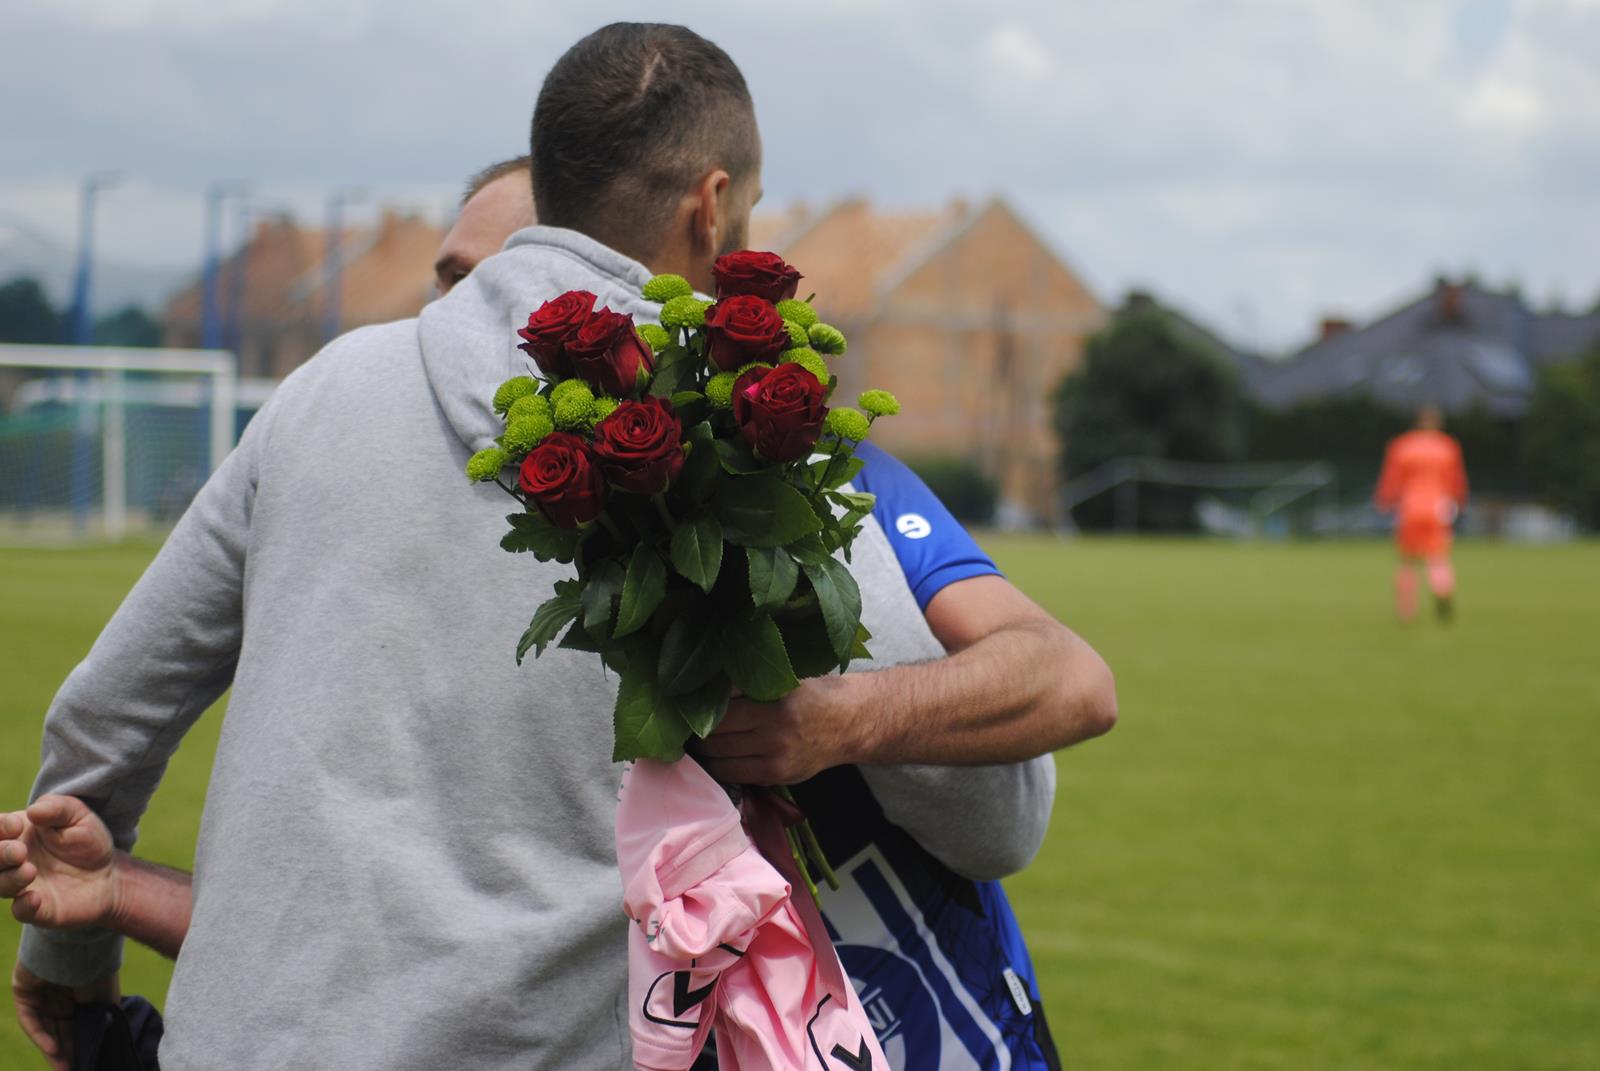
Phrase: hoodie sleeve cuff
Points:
(74, 958)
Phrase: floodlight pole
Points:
(334, 259)
(81, 333)
(210, 306)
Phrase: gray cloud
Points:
(1258, 161)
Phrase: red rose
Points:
(608, 354)
(563, 478)
(780, 410)
(640, 445)
(762, 274)
(552, 327)
(743, 329)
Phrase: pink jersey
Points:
(717, 941)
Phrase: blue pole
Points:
(81, 329)
(210, 318)
(233, 333)
(334, 267)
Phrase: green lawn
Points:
(1317, 839)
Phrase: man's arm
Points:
(58, 866)
(1017, 684)
(166, 655)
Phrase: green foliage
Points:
(26, 315)
(763, 511)
(553, 615)
(773, 575)
(1563, 437)
(1146, 390)
(645, 722)
(755, 659)
(531, 532)
(965, 489)
(697, 550)
(129, 326)
(642, 589)
(840, 599)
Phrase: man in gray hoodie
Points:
(405, 858)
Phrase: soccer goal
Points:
(101, 442)
(1243, 499)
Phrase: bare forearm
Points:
(152, 904)
(1018, 692)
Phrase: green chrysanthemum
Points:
(574, 412)
(528, 405)
(524, 433)
(663, 288)
(752, 365)
(798, 311)
(602, 408)
(810, 360)
(719, 389)
(571, 388)
(879, 403)
(656, 336)
(847, 423)
(486, 464)
(797, 334)
(511, 390)
(686, 311)
(827, 338)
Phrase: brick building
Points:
(965, 314)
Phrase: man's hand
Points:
(45, 1011)
(56, 864)
(786, 742)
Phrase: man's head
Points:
(645, 139)
(1429, 418)
(498, 202)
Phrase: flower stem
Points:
(665, 513)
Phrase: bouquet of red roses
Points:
(693, 472)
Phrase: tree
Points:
(130, 326)
(1563, 437)
(961, 485)
(1146, 389)
(26, 314)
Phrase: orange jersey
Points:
(1425, 483)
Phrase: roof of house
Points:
(1459, 346)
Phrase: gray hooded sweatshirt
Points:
(406, 856)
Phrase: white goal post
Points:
(95, 387)
(1275, 486)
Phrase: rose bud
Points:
(744, 329)
(608, 354)
(640, 445)
(763, 274)
(780, 410)
(563, 478)
(550, 329)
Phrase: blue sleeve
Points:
(933, 549)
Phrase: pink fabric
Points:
(1442, 578)
(717, 942)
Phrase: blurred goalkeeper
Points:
(1424, 483)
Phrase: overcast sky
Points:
(1258, 162)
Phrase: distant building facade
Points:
(965, 314)
(1459, 347)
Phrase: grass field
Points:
(1316, 840)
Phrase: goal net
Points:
(100, 443)
(1235, 499)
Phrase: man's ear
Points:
(710, 214)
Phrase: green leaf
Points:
(754, 656)
(763, 511)
(840, 599)
(646, 727)
(809, 549)
(642, 589)
(738, 458)
(701, 469)
(599, 599)
(553, 615)
(843, 472)
(703, 708)
(675, 368)
(531, 532)
(773, 575)
(691, 654)
(805, 635)
(577, 639)
(697, 550)
(860, 502)
(859, 649)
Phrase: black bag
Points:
(111, 1037)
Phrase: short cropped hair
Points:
(627, 120)
(477, 182)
